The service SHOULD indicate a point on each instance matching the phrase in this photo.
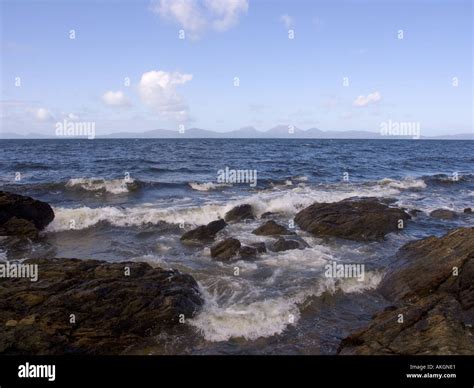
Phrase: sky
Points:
(225, 64)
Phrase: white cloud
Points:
(157, 89)
(287, 21)
(369, 99)
(196, 16)
(115, 98)
(226, 12)
(42, 114)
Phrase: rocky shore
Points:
(84, 306)
(431, 286)
(91, 306)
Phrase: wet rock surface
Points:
(240, 213)
(204, 233)
(443, 214)
(23, 216)
(360, 220)
(285, 244)
(431, 286)
(225, 250)
(271, 228)
(112, 311)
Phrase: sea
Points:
(132, 199)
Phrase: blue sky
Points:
(282, 81)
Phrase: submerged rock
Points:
(247, 252)
(21, 215)
(259, 246)
(271, 228)
(204, 232)
(431, 286)
(240, 213)
(283, 244)
(226, 249)
(360, 220)
(467, 210)
(443, 214)
(90, 306)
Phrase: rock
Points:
(239, 213)
(246, 252)
(431, 283)
(271, 228)
(443, 214)
(359, 220)
(267, 214)
(204, 232)
(414, 212)
(226, 249)
(259, 246)
(468, 210)
(19, 214)
(19, 227)
(421, 266)
(112, 311)
(286, 244)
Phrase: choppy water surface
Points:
(281, 303)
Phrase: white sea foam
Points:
(207, 186)
(407, 183)
(287, 202)
(113, 186)
(267, 317)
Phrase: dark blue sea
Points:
(132, 199)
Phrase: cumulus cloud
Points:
(157, 90)
(42, 114)
(116, 99)
(287, 21)
(369, 99)
(196, 16)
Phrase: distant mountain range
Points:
(279, 132)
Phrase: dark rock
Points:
(204, 232)
(432, 284)
(286, 244)
(112, 311)
(414, 212)
(240, 213)
(271, 228)
(259, 246)
(246, 252)
(443, 214)
(468, 210)
(359, 220)
(267, 215)
(16, 209)
(421, 266)
(19, 227)
(226, 249)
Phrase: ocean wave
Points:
(448, 179)
(287, 202)
(207, 186)
(405, 184)
(112, 186)
(268, 317)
